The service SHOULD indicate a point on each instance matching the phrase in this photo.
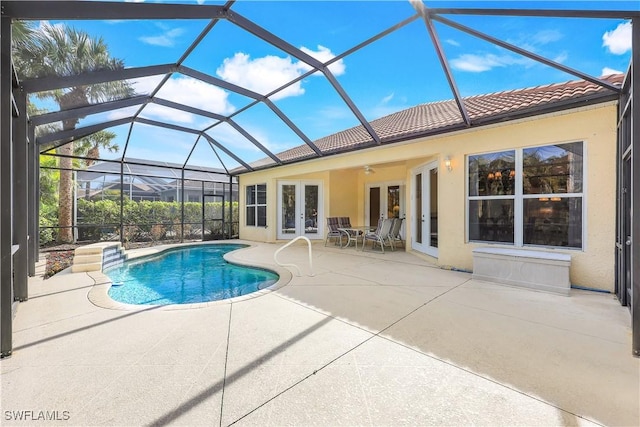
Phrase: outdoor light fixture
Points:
(368, 170)
(447, 163)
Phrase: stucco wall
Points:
(344, 183)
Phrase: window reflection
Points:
(491, 220)
(553, 221)
(492, 174)
(553, 169)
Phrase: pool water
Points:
(185, 275)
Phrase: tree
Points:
(58, 50)
(89, 148)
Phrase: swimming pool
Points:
(185, 275)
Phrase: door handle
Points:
(628, 242)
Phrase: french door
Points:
(425, 209)
(383, 200)
(300, 209)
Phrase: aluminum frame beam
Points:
(542, 13)
(59, 82)
(285, 46)
(423, 11)
(77, 133)
(74, 10)
(225, 150)
(526, 53)
(75, 113)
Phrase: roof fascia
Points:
(570, 104)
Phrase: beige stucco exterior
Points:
(344, 183)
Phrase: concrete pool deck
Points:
(371, 339)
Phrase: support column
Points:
(33, 189)
(230, 206)
(182, 207)
(635, 186)
(122, 240)
(6, 238)
(20, 198)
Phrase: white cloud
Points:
(608, 71)
(187, 91)
(562, 57)
(387, 98)
(267, 73)
(168, 39)
(543, 37)
(262, 75)
(323, 55)
(618, 41)
(452, 42)
(480, 63)
(123, 112)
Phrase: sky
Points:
(399, 71)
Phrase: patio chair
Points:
(394, 234)
(345, 222)
(332, 230)
(379, 236)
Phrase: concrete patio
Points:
(370, 339)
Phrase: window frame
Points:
(519, 197)
(255, 205)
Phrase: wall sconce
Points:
(368, 170)
(447, 163)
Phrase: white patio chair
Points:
(379, 236)
(394, 234)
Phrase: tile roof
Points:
(444, 116)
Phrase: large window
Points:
(257, 205)
(530, 196)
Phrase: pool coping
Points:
(98, 294)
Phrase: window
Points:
(257, 205)
(193, 198)
(530, 196)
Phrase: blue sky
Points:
(399, 71)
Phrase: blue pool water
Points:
(185, 275)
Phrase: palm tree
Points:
(58, 50)
(89, 149)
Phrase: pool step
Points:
(98, 256)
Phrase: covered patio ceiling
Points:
(234, 139)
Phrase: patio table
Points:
(354, 232)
